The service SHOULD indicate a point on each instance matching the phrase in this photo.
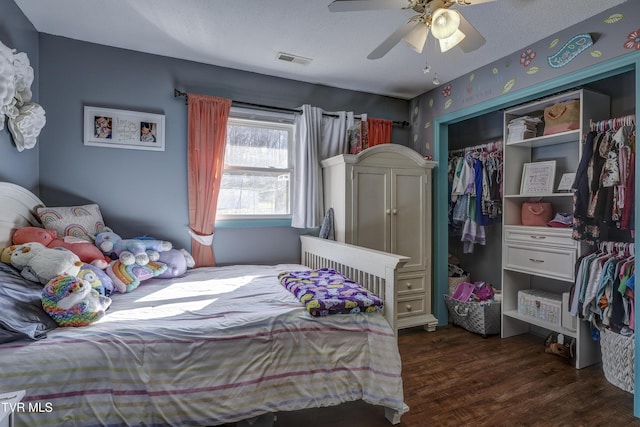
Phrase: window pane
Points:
(256, 147)
(251, 193)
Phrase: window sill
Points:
(263, 222)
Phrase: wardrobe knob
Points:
(395, 211)
(388, 211)
(408, 285)
(408, 307)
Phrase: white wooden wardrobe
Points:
(382, 199)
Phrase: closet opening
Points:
(617, 78)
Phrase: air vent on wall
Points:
(287, 57)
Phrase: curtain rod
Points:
(177, 93)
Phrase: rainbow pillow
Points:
(126, 278)
(82, 222)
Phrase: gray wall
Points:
(145, 192)
(17, 33)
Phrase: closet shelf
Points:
(546, 325)
(541, 141)
(520, 196)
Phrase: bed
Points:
(215, 346)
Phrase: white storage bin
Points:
(541, 305)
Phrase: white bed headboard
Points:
(17, 209)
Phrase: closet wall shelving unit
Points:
(544, 257)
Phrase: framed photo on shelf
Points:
(566, 181)
(104, 127)
(538, 178)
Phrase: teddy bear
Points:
(71, 301)
(131, 251)
(86, 251)
(177, 262)
(39, 263)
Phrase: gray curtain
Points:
(318, 136)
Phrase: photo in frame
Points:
(566, 181)
(538, 178)
(105, 127)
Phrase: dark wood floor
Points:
(455, 378)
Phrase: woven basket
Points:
(617, 359)
(483, 319)
(455, 281)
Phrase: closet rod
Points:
(609, 246)
(613, 124)
(177, 93)
(489, 146)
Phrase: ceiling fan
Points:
(447, 25)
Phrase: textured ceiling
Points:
(248, 34)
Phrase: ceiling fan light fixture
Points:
(451, 41)
(417, 37)
(444, 23)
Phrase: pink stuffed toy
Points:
(87, 252)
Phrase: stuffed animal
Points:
(126, 278)
(131, 251)
(177, 262)
(87, 252)
(97, 278)
(38, 263)
(71, 301)
(5, 255)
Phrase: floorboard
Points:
(456, 378)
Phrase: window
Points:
(258, 168)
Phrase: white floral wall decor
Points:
(24, 119)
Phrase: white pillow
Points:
(78, 221)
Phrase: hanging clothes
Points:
(603, 291)
(475, 196)
(604, 183)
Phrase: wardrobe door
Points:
(372, 208)
(408, 213)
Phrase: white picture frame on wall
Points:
(106, 127)
(538, 178)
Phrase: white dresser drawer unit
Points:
(555, 263)
(540, 235)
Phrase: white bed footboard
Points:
(372, 269)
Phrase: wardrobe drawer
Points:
(541, 235)
(411, 307)
(410, 284)
(556, 263)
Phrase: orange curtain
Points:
(379, 131)
(207, 134)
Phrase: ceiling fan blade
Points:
(473, 39)
(359, 5)
(393, 39)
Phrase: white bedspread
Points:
(218, 345)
